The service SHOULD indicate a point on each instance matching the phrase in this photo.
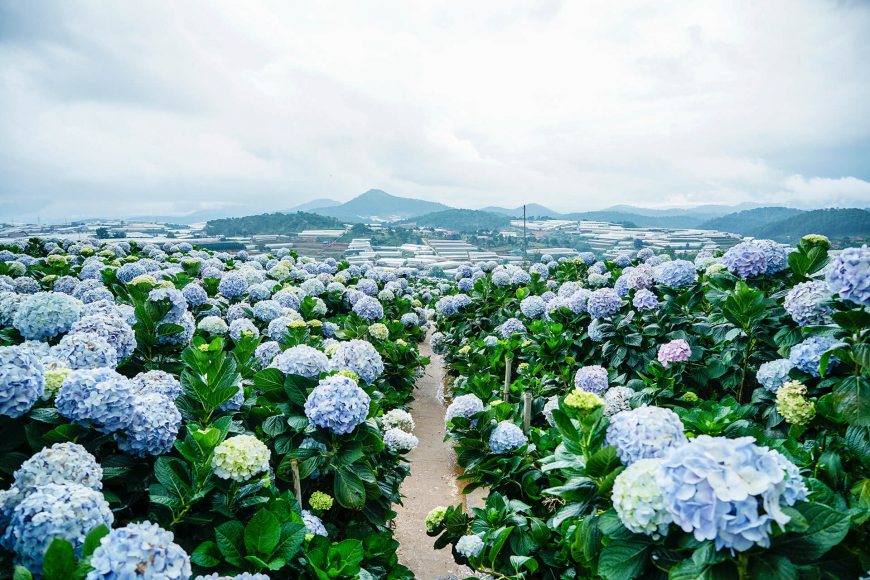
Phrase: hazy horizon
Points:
(122, 110)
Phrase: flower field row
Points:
(656, 418)
(172, 413)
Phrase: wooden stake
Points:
(507, 377)
(296, 481)
(527, 411)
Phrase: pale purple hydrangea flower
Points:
(592, 379)
(674, 351)
(849, 275)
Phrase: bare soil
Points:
(432, 482)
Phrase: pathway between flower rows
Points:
(432, 482)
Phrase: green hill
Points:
(271, 223)
(745, 221)
(377, 203)
(834, 223)
(463, 220)
(532, 209)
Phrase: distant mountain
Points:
(464, 220)
(314, 204)
(377, 203)
(746, 221)
(834, 223)
(271, 223)
(707, 211)
(532, 209)
(199, 216)
(675, 222)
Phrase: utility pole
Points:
(524, 234)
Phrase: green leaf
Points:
(565, 426)
(853, 399)
(21, 573)
(60, 560)
(207, 555)
(827, 528)
(768, 567)
(349, 489)
(292, 536)
(852, 319)
(861, 354)
(229, 538)
(624, 559)
(351, 551)
(602, 462)
(92, 540)
(858, 442)
(262, 533)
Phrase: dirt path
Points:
(432, 482)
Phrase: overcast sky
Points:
(168, 106)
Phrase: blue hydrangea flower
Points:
(368, 287)
(464, 406)
(157, 382)
(772, 375)
(675, 274)
(541, 269)
(533, 306)
(807, 355)
(139, 550)
(587, 257)
(328, 329)
(576, 301)
(728, 490)
(645, 300)
(369, 309)
(603, 303)
(777, 256)
(301, 360)
(465, 285)
(257, 292)
(623, 260)
(22, 381)
(287, 299)
(60, 463)
(445, 306)
(267, 310)
(242, 326)
(746, 260)
(595, 334)
(100, 398)
(66, 284)
(621, 286)
(512, 326)
(266, 352)
(460, 301)
(592, 379)
(469, 546)
(520, 277)
(338, 404)
(806, 303)
(233, 285)
(194, 294)
(152, 426)
(359, 357)
(501, 279)
(179, 303)
(129, 271)
(644, 432)
(410, 319)
(46, 314)
(313, 524)
(85, 350)
(849, 275)
(506, 437)
(568, 288)
(66, 510)
(113, 329)
(186, 321)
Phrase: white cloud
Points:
(577, 105)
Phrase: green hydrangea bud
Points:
(793, 405)
(349, 374)
(320, 501)
(583, 400)
(690, 396)
(435, 517)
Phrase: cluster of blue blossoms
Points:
(338, 404)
